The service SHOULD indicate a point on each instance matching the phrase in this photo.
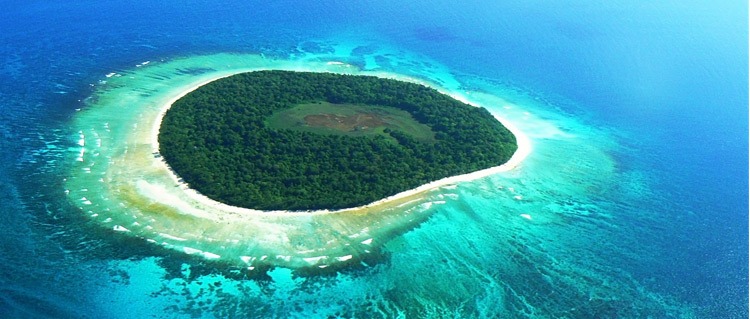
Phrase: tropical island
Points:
(283, 140)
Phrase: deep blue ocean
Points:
(656, 90)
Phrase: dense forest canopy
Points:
(305, 141)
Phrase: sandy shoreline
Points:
(524, 148)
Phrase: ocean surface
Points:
(633, 202)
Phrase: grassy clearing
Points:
(349, 120)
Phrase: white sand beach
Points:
(524, 148)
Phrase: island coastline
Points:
(523, 143)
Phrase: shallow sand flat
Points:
(138, 194)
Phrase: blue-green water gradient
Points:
(636, 188)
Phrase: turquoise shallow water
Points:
(632, 203)
(532, 224)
